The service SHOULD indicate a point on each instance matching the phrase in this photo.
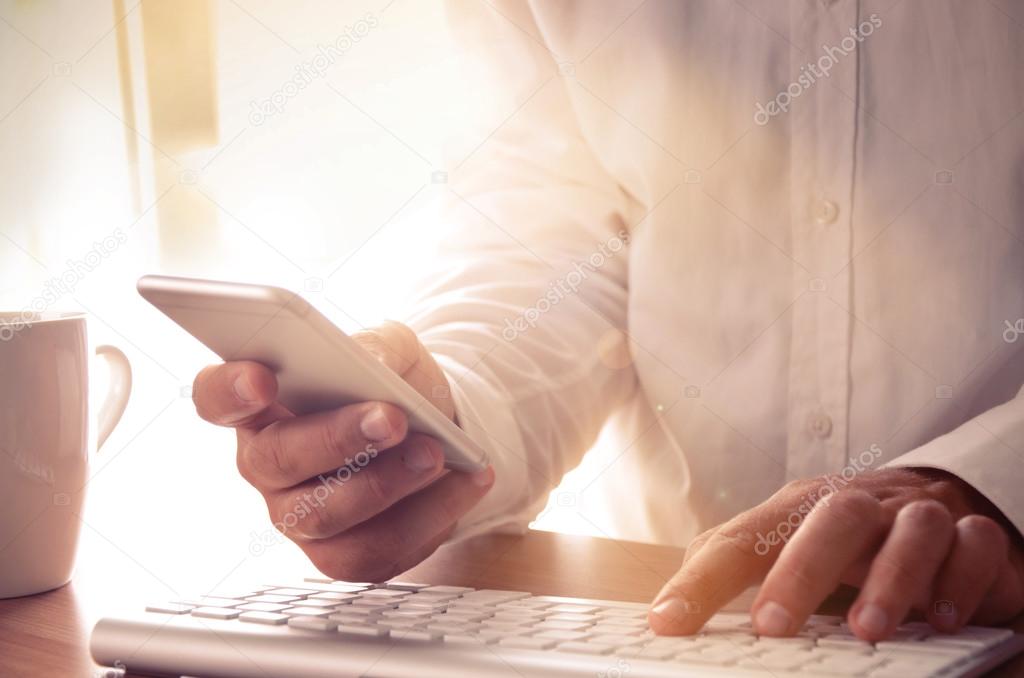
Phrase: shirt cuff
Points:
(490, 424)
(986, 452)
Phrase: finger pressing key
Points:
(904, 568)
(728, 562)
(835, 533)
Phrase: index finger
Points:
(238, 394)
(728, 563)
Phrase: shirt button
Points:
(825, 211)
(820, 425)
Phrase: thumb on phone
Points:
(398, 347)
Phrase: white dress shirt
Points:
(824, 208)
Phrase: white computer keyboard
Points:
(328, 628)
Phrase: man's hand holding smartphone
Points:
(394, 505)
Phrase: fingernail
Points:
(772, 619)
(375, 425)
(243, 389)
(420, 459)
(673, 610)
(873, 619)
(484, 478)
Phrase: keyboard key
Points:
(572, 617)
(298, 593)
(263, 607)
(561, 635)
(584, 648)
(527, 643)
(315, 602)
(847, 642)
(335, 596)
(519, 614)
(795, 643)
(599, 604)
(850, 666)
(263, 618)
(732, 638)
(467, 639)
(610, 630)
(454, 590)
(499, 626)
(317, 580)
(445, 628)
(345, 587)
(170, 608)
(640, 615)
(307, 612)
(524, 603)
(573, 609)
(432, 599)
(498, 634)
(561, 626)
(421, 605)
(640, 652)
(459, 609)
(208, 601)
(902, 668)
(406, 586)
(384, 593)
(465, 616)
(312, 623)
(781, 660)
(345, 618)
(407, 613)
(614, 641)
(920, 647)
(215, 613)
(626, 621)
(717, 656)
(493, 597)
(971, 636)
(357, 611)
(907, 634)
(369, 604)
(272, 598)
(677, 643)
(363, 630)
(400, 623)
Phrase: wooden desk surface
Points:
(48, 634)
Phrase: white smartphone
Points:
(318, 366)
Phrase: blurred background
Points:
(300, 144)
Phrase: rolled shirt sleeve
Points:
(986, 452)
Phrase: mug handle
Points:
(117, 394)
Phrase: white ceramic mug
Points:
(44, 444)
